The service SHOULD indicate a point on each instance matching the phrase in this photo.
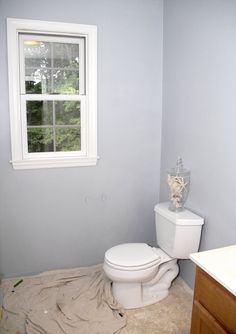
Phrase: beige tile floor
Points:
(170, 316)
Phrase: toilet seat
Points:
(134, 262)
(132, 257)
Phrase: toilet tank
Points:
(177, 233)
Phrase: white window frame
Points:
(21, 159)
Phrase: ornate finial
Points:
(179, 165)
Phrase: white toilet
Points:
(142, 274)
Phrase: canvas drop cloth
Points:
(75, 301)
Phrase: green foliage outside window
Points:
(40, 140)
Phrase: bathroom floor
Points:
(43, 301)
(170, 316)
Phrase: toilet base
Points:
(135, 295)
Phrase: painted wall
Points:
(57, 218)
(199, 112)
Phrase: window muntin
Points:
(34, 77)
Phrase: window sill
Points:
(54, 163)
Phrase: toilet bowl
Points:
(133, 269)
(141, 275)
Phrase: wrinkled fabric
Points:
(74, 301)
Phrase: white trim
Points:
(88, 154)
(56, 28)
(55, 163)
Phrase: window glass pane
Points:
(68, 139)
(39, 112)
(40, 140)
(38, 81)
(37, 53)
(65, 82)
(67, 112)
(66, 55)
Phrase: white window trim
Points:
(20, 160)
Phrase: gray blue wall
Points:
(68, 217)
(57, 218)
(199, 111)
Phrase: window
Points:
(52, 93)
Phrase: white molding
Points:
(55, 163)
(20, 160)
(46, 27)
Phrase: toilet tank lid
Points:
(184, 217)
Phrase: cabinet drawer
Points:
(216, 299)
(203, 322)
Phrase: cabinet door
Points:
(203, 322)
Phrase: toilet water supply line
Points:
(167, 272)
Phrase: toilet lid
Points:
(131, 255)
